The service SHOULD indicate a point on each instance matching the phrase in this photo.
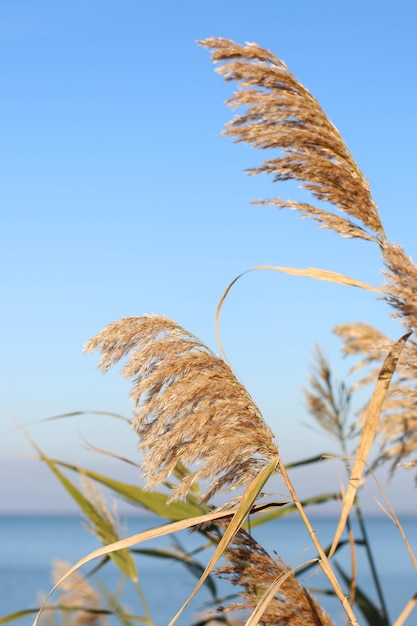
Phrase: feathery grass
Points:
(190, 408)
(198, 426)
(281, 113)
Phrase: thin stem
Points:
(323, 560)
(361, 521)
(149, 619)
(371, 561)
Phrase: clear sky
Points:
(120, 197)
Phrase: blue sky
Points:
(120, 197)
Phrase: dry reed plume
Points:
(328, 405)
(77, 592)
(398, 422)
(282, 113)
(401, 288)
(109, 531)
(190, 408)
(251, 567)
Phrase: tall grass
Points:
(200, 431)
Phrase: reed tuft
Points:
(253, 569)
(398, 422)
(281, 113)
(76, 591)
(190, 407)
(328, 403)
(109, 530)
(401, 286)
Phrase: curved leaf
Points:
(152, 501)
(308, 272)
(137, 538)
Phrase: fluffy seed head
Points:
(280, 113)
(76, 591)
(190, 408)
(250, 567)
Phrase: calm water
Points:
(28, 545)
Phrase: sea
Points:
(29, 544)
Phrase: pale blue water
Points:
(29, 544)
